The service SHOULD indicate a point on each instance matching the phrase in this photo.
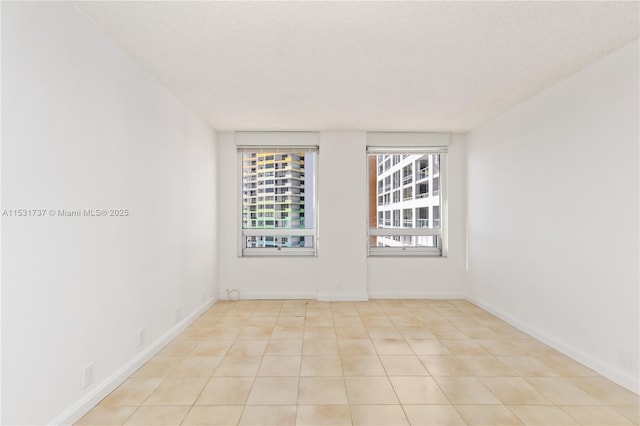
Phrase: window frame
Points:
(272, 144)
(441, 233)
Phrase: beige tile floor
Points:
(382, 362)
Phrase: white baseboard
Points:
(98, 393)
(343, 297)
(412, 295)
(270, 296)
(626, 380)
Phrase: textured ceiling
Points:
(432, 66)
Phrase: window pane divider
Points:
(404, 251)
(405, 231)
(279, 232)
(282, 251)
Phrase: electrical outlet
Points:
(142, 336)
(87, 375)
(179, 314)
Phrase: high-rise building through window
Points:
(405, 220)
(278, 199)
(417, 204)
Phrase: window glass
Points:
(408, 221)
(278, 204)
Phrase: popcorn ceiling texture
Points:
(438, 66)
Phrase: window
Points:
(418, 225)
(436, 216)
(422, 190)
(278, 217)
(396, 179)
(407, 193)
(407, 172)
(422, 168)
(422, 217)
(407, 218)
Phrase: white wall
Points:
(431, 277)
(342, 196)
(255, 277)
(84, 127)
(553, 215)
(341, 271)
